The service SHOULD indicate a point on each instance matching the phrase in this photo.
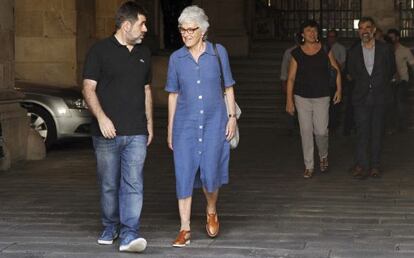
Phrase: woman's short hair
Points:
(194, 14)
(305, 24)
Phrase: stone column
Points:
(85, 28)
(13, 118)
(228, 24)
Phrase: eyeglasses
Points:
(190, 31)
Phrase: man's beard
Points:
(134, 41)
(366, 37)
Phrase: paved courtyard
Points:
(50, 208)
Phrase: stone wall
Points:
(105, 19)
(385, 14)
(85, 27)
(7, 45)
(228, 24)
(46, 36)
(105, 13)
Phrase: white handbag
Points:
(236, 138)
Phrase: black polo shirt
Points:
(121, 76)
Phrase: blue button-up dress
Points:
(201, 152)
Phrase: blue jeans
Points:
(120, 163)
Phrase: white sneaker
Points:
(137, 245)
(107, 237)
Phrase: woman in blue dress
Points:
(199, 128)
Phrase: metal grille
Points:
(407, 18)
(287, 15)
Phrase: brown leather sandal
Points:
(183, 239)
(308, 173)
(324, 165)
(212, 225)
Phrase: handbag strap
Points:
(221, 66)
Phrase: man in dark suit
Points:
(371, 64)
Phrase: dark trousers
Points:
(400, 105)
(333, 116)
(369, 120)
(1, 143)
(349, 122)
(292, 121)
(333, 112)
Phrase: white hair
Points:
(194, 14)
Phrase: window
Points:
(407, 18)
(287, 15)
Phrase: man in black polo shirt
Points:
(116, 88)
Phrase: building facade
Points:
(46, 41)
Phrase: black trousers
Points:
(369, 120)
(333, 112)
(400, 105)
(349, 121)
(396, 112)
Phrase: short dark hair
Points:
(129, 11)
(395, 32)
(307, 23)
(334, 32)
(367, 19)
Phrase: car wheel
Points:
(42, 122)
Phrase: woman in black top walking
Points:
(308, 92)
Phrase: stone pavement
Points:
(50, 208)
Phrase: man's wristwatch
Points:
(232, 115)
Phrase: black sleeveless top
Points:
(312, 75)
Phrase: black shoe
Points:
(375, 173)
(358, 172)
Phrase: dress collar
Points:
(183, 52)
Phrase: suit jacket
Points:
(378, 84)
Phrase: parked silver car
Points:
(56, 113)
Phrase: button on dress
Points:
(201, 152)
